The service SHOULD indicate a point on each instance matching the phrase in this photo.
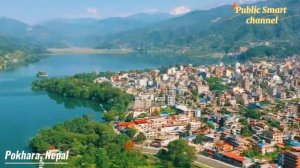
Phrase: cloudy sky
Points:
(33, 11)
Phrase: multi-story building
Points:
(242, 98)
(202, 88)
(291, 160)
(246, 84)
(274, 136)
(138, 103)
(142, 103)
(170, 100)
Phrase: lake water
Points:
(24, 112)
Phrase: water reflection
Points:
(73, 103)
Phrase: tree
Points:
(39, 145)
(140, 137)
(250, 153)
(143, 115)
(89, 142)
(199, 139)
(187, 130)
(243, 121)
(188, 127)
(195, 92)
(129, 117)
(179, 153)
(109, 116)
(82, 86)
(246, 131)
(215, 84)
(251, 113)
(274, 123)
(121, 139)
(129, 145)
(131, 132)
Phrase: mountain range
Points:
(216, 32)
(75, 32)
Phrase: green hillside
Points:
(15, 52)
(216, 32)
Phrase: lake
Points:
(24, 112)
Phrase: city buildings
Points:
(233, 109)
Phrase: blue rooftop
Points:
(210, 122)
(190, 137)
(294, 143)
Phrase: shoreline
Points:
(87, 51)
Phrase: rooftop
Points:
(234, 156)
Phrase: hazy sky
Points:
(33, 11)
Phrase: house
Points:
(273, 135)
(265, 148)
(235, 159)
(125, 125)
(223, 146)
(237, 142)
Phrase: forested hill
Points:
(215, 32)
(14, 46)
(82, 86)
(15, 52)
(10, 44)
(61, 32)
(218, 30)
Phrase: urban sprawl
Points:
(243, 114)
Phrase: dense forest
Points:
(91, 144)
(113, 100)
(94, 144)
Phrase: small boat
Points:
(42, 74)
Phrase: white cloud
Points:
(180, 10)
(248, 1)
(92, 11)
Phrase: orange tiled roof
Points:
(140, 121)
(227, 146)
(234, 156)
(125, 124)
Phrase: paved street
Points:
(202, 160)
(212, 162)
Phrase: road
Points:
(200, 159)
(212, 162)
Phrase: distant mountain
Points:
(216, 31)
(150, 18)
(76, 32)
(84, 31)
(36, 34)
(12, 27)
(16, 37)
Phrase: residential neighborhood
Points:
(242, 114)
